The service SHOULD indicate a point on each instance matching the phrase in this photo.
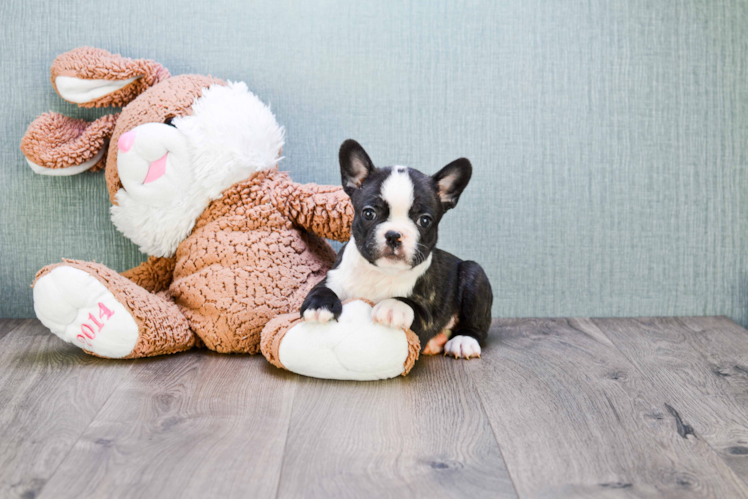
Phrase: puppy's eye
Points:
(368, 213)
(424, 221)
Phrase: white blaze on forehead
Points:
(397, 191)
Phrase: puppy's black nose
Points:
(393, 238)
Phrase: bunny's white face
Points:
(171, 172)
(155, 164)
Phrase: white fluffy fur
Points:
(231, 134)
(352, 348)
(356, 277)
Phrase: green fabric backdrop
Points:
(609, 138)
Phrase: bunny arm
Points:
(154, 275)
(95, 78)
(323, 210)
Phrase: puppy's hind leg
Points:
(474, 318)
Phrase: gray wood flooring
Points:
(648, 407)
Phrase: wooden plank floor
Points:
(555, 408)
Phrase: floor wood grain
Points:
(702, 365)
(197, 424)
(8, 325)
(555, 408)
(424, 435)
(49, 394)
(575, 418)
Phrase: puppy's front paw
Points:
(462, 347)
(318, 315)
(393, 313)
(321, 307)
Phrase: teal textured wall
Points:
(609, 138)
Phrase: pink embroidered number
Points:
(88, 331)
(103, 311)
(91, 317)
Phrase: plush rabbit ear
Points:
(94, 78)
(57, 145)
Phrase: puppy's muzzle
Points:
(394, 239)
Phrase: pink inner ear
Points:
(156, 169)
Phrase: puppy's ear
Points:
(452, 180)
(355, 165)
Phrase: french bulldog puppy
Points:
(392, 259)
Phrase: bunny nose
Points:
(126, 141)
(393, 238)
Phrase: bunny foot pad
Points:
(352, 348)
(79, 309)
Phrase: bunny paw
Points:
(80, 310)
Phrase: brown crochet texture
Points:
(309, 206)
(155, 274)
(414, 349)
(97, 64)
(247, 261)
(273, 334)
(162, 328)
(57, 141)
(168, 99)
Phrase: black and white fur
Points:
(391, 257)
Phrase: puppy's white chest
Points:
(355, 278)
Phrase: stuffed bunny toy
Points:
(191, 170)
